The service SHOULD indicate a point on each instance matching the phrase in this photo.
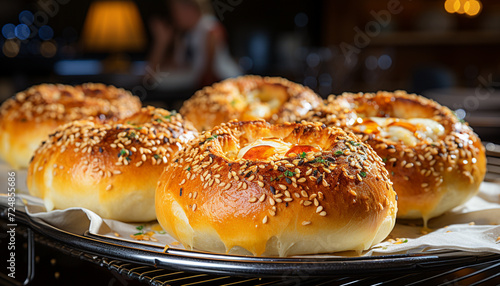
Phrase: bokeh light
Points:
(11, 48)
(384, 62)
(48, 49)
(468, 7)
(301, 20)
(8, 31)
(371, 62)
(22, 31)
(26, 17)
(45, 33)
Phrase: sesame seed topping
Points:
(264, 220)
(306, 222)
(262, 197)
(271, 201)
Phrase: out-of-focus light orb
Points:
(460, 113)
(311, 82)
(26, 17)
(8, 31)
(45, 33)
(313, 60)
(371, 62)
(301, 20)
(48, 49)
(459, 6)
(472, 7)
(10, 48)
(468, 7)
(449, 6)
(22, 31)
(246, 63)
(384, 62)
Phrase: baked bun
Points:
(436, 162)
(262, 189)
(112, 168)
(249, 98)
(29, 117)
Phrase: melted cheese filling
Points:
(280, 147)
(409, 131)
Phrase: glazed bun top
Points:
(66, 103)
(435, 160)
(285, 189)
(249, 97)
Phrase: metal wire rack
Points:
(150, 266)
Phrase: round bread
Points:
(249, 97)
(29, 117)
(294, 188)
(436, 162)
(112, 168)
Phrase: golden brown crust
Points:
(109, 168)
(27, 118)
(239, 98)
(430, 177)
(337, 199)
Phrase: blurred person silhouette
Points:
(190, 50)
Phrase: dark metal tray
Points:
(184, 260)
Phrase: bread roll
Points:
(248, 98)
(111, 168)
(29, 117)
(435, 161)
(262, 189)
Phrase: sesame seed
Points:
(319, 209)
(283, 187)
(425, 185)
(304, 194)
(260, 184)
(251, 178)
(306, 222)
(183, 181)
(271, 201)
(323, 213)
(307, 203)
(297, 195)
(409, 165)
(194, 207)
(109, 187)
(227, 186)
(262, 198)
(301, 180)
(264, 221)
(316, 202)
(252, 199)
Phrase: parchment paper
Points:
(473, 227)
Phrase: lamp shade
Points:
(113, 26)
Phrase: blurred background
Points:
(163, 51)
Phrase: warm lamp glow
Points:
(113, 26)
(469, 7)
